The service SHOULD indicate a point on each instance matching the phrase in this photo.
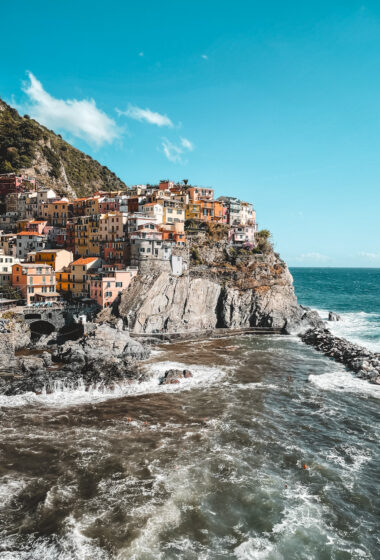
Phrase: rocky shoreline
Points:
(104, 355)
(356, 358)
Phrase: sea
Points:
(270, 451)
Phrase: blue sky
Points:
(275, 102)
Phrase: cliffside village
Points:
(55, 249)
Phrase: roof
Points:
(30, 233)
(52, 250)
(36, 221)
(85, 261)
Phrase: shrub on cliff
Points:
(263, 241)
(195, 256)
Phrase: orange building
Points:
(197, 193)
(86, 206)
(205, 211)
(35, 282)
(56, 213)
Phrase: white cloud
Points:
(313, 256)
(204, 56)
(175, 152)
(146, 115)
(80, 118)
(171, 151)
(371, 256)
(185, 143)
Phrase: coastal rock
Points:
(15, 334)
(174, 375)
(104, 355)
(104, 345)
(334, 316)
(257, 294)
(364, 363)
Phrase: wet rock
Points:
(47, 359)
(361, 361)
(31, 364)
(175, 375)
(334, 316)
(104, 355)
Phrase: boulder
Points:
(174, 375)
(334, 316)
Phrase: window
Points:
(119, 284)
(31, 280)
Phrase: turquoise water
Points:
(352, 292)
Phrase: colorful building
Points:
(27, 241)
(87, 236)
(6, 264)
(104, 288)
(56, 258)
(79, 274)
(35, 282)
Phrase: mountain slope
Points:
(28, 147)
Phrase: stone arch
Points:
(39, 328)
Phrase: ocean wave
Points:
(358, 327)
(64, 394)
(345, 382)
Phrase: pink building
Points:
(37, 226)
(108, 204)
(241, 234)
(104, 289)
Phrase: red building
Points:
(70, 236)
(10, 182)
(133, 204)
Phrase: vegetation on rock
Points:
(27, 146)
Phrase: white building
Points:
(44, 194)
(6, 263)
(154, 212)
(28, 241)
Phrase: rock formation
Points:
(334, 316)
(254, 292)
(105, 354)
(364, 363)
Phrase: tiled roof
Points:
(85, 261)
(29, 233)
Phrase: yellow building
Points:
(56, 258)
(79, 274)
(193, 211)
(173, 214)
(87, 236)
(63, 280)
(56, 213)
(86, 206)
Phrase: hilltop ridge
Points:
(29, 148)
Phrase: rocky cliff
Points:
(28, 147)
(255, 291)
